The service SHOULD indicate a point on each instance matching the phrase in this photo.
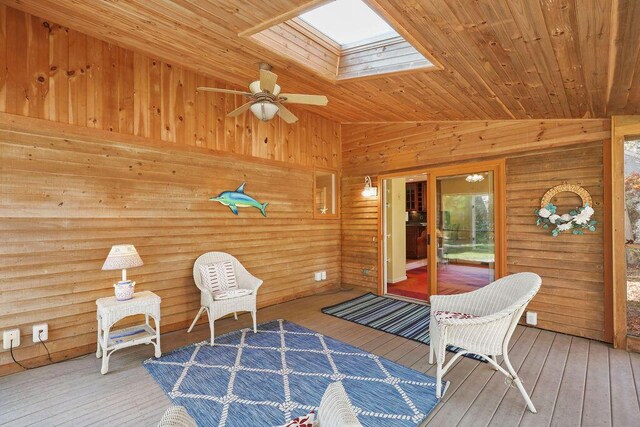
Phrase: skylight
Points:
(347, 21)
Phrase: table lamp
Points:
(122, 257)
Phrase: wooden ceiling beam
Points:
(289, 14)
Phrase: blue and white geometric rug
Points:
(269, 378)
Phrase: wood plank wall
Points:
(539, 154)
(572, 298)
(58, 74)
(66, 200)
(100, 145)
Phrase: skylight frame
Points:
(330, 20)
(389, 53)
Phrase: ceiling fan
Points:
(266, 100)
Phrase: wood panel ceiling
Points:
(501, 59)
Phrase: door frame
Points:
(621, 127)
(499, 210)
(497, 166)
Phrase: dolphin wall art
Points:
(237, 199)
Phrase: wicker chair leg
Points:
(439, 380)
(196, 319)
(518, 383)
(495, 359)
(430, 354)
(211, 320)
(253, 316)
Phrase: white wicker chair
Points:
(177, 416)
(498, 307)
(335, 408)
(218, 308)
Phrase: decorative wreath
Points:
(575, 221)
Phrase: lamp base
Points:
(124, 290)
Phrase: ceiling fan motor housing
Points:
(254, 87)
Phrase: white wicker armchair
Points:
(498, 308)
(177, 416)
(335, 408)
(218, 308)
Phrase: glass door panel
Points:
(406, 241)
(465, 232)
(632, 232)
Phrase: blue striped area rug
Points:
(405, 319)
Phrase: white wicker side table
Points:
(111, 310)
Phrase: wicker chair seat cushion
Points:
(444, 315)
(219, 276)
(231, 293)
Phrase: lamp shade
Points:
(264, 110)
(122, 257)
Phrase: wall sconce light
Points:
(369, 190)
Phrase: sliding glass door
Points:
(465, 230)
(632, 232)
(442, 230)
(466, 225)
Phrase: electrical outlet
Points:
(532, 318)
(10, 335)
(324, 275)
(40, 332)
(317, 276)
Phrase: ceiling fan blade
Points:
(240, 110)
(286, 115)
(298, 98)
(268, 81)
(214, 89)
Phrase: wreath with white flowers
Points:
(576, 221)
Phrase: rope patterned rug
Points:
(269, 378)
(405, 319)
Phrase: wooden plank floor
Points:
(573, 381)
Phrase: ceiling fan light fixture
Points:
(476, 177)
(264, 110)
(265, 100)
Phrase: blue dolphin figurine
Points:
(237, 199)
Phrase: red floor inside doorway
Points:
(453, 279)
